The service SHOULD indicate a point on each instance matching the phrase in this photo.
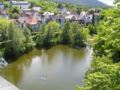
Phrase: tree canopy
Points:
(104, 73)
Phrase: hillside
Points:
(84, 2)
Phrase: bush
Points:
(14, 15)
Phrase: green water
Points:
(59, 68)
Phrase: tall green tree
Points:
(104, 73)
(29, 43)
(4, 25)
(78, 39)
(49, 36)
(66, 34)
(16, 46)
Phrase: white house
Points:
(20, 4)
(36, 9)
(82, 15)
(61, 19)
(71, 17)
(47, 15)
(96, 17)
(88, 18)
(1, 6)
(64, 11)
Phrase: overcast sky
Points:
(108, 2)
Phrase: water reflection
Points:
(59, 68)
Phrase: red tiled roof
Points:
(32, 20)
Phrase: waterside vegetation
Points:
(104, 73)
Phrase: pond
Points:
(58, 68)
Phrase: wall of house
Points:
(24, 6)
(21, 6)
(35, 27)
(1, 7)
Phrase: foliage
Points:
(71, 34)
(108, 38)
(1, 54)
(49, 35)
(104, 73)
(29, 44)
(4, 24)
(116, 1)
(92, 29)
(46, 5)
(15, 41)
(79, 35)
(65, 35)
(14, 15)
(16, 46)
(14, 12)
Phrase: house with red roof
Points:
(33, 23)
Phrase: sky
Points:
(108, 2)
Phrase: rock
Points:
(6, 85)
(3, 63)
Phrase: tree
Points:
(14, 15)
(14, 12)
(60, 6)
(40, 40)
(65, 35)
(1, 54)
(78, 39)
(104, 73)
(29, 44)
(16, 47)
(4, 25)
(116, 1)
(54, 30)
(49, 35)
(92, 29)
(98, 81)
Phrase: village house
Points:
(85, 17)
(29, 18)
(1, 6)
(29, 12)
(96, 17)
(30, 22)
(47, 16)
(88, 18)
(32, 19)
(71, 17)
(26, 12)
(3, 14)
(20, 4)
(64, 12)
(82, 15)
(37, 9)
(21, 22)
(60, 18)
(33, 23)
